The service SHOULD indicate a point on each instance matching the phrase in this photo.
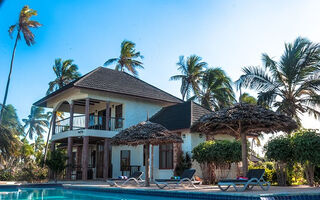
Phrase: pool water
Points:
(60, 194)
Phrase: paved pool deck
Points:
(301, 189)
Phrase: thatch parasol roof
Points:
(145, 133)
(252, 119)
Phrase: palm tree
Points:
(290, 85)
(8, 142)
(65, 71)
(36, 122)
(23, 25)
(191, 73)
(128, 58)
(216, 89)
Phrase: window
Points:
(166, 156)
(124, 160)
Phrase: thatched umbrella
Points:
(146, 133)
(241, 120)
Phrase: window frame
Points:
(166, 150)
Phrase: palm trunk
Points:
(47, 144)
(9, 76)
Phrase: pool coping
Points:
(169, 193)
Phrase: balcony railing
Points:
(95, 122)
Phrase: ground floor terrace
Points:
(95, 158)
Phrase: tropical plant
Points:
(247, 98)
(216, 89)
(8, 142)
(10, 129)
(57, 162)
(183, 164)
(23, 25)
(191, 73)
(11, 121)
(291, 84)
(306, 151)
(65, 72)
(127, 59)
(280, 150)
(36, 123)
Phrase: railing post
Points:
(87, 113)
(54, 114)
(107, 115)
(71, 115)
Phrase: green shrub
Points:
(307, 152)
(6, 175)
(280, 150)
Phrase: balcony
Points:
(95, 123)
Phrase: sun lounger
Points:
(186, 177)
(255, 178)
(135, 178)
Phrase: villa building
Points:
(99, 105)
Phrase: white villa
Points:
(104, 102)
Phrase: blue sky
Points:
(229, 34)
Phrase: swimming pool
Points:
(61, 192)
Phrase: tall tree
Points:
(10, 129)
(23, 25)
(65, 72)
(216, 89)
(36, 122)
(290, 85)
(128, 59)
(191, 74)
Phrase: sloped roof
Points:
(145, 133)
(179, 116)
(109, 80)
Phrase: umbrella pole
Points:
(244, 153)
(151, 163)
(147, 161)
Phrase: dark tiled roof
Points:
(179, 116)
(109, 80)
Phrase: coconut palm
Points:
(36, 123)
(128, 58)
(191, 73)
(216, 89)
(65, 72)
(22, 26)
(290, 85)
